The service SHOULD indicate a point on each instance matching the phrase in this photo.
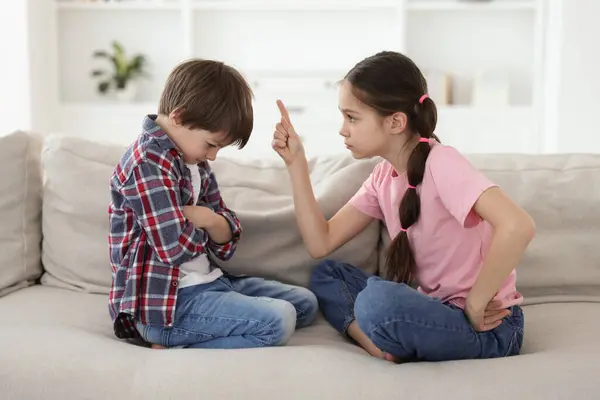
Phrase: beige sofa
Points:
(56, 339)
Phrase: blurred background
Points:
(508, 76)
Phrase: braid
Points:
(400, 261)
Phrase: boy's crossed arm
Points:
(214, 224)
(221, 223)
(154, 196)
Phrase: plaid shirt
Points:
(149, 236)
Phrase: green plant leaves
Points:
(103, 86)
(124, 69)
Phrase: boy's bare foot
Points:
(158, 346)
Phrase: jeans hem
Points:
(347, 322)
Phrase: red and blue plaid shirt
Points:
(149, 236)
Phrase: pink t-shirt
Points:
(449, 241)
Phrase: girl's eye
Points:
(211, 145)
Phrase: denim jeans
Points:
(233, 313)
(406, 323)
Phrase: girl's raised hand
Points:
(286, 141)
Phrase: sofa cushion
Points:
(60, 345)
(562, 194)
(75, 212)
(75, 217)
(20, 211)
(260, 193)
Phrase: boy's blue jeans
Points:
(406, 323)
(233, 313)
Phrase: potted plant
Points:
(123, 72)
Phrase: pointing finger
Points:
(283, 111)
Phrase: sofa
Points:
(57, 340)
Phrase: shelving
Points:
(291, 5)
(498, 41)
(266, 39)
(75, 56)
(276, 39)
(120, 5)
(241, 5)
(472, 130)
(465, 5)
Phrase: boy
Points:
(167, 213)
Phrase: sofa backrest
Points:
(561, 192)
(20, 211)
(76, 199)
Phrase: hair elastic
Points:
(424, 140)
(403, 230)
(422, 99)
(411, 186)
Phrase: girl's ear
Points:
(398, 122)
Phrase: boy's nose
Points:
(212, 155)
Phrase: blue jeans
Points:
(233, 313)
(406, 323)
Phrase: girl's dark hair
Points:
(390, 82)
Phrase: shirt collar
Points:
(152, 129)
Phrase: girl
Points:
(456, 234)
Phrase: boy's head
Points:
(206, 105)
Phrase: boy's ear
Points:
(175, 116)
(398, 122)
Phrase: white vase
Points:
(127, 94)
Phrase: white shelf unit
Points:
(297, 49)
(121, 5)
(463, 5)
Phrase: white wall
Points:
(579, 91)
(14, 75)
(43, 72)
(28, 79)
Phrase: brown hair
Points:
(212, 96)
(390, 82)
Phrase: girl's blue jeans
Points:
(405, 323)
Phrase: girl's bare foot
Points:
(363, 340)
(158, 346)
(391, 358)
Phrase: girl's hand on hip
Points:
(488, 319)
(286, 141)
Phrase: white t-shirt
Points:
(197, 271)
